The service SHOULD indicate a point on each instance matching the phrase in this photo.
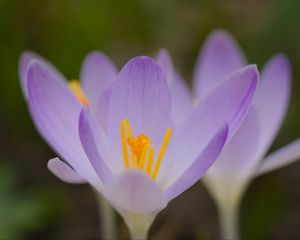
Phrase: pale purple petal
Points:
(180, 93)
(55, 112)
(64, 172)
(196, 170)
(135, 192)
(271, 99)
(140, 94)
(182, 104)
(93, 142)
(228, 103)
(101, 110)
(24, 61)
(97, 72)
(238, 160)
(219, 57)
(164, 60)
(280, 158)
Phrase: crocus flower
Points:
(243, 157)
(125, 144)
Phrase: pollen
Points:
(77, 90)
(138, 152)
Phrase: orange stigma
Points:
(138, 152)
(77, 90)
(138, 144)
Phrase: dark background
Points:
(34, 204)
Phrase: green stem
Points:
(138, 225)
(138, 234)
(229, 220)
(107, 219)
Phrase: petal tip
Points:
(280, 60)
(221, 39)
(96, 56)
(141, 60)
(83, 115)
(34, 63)
(144, 65)
(24, 57)
(220, 33)
(253, 69)
(249, 72)
(34, 67)
(282, 57)
(64, 171)
(24, 61)
(163, 52)
(27, 55)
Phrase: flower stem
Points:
(107, 219)
(138, 234)
(138, 225)
(229, 220)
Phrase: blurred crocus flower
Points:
(117, 132)
(243, 157)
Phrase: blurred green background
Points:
(34, 204)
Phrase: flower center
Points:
(77, 90)
(138, 152)
(138, 145)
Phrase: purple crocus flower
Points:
(243, 158)
(117, 132)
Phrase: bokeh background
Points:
(34, 204)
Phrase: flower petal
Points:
(140, 94)
(164, 60)
(180, 93)
(280, 158)
(101, 111)
(64, 172)
(135, 192)
(97, 72)
(220, 56)
(227, 103)
(55, 112)
(24, 61)
(181, 100)
(237, 162)
(271, 99)
(93, 142)
(196, 170)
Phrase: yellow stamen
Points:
(124, 145)
(134, 160)
(75, 87)
(143, 157)
(162, 152)
(128, 127)
(138, 152)
(150, 160)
